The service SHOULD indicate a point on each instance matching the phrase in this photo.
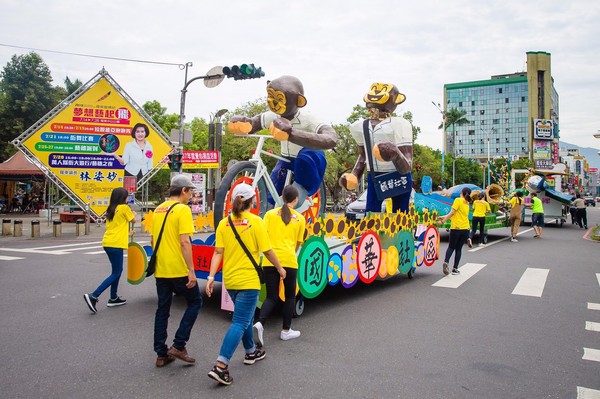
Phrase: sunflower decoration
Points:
(415, 219)
(315, 228)
(147, 222)
(398, 220)
(370, 222)
(433, 217)
(351, 232)
(361, 227)
(329, 225)
(377, 225)
(404, 221)
(341, 227)
(387, 223)
(393, 225)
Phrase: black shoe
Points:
(455, 271)
(221, 375)
(91, 302)
(116, 302)
(255, 356)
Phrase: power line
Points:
(181, 66)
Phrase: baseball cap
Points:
(182, 181)
(243, 190)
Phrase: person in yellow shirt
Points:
(286, 229)
(459, 229)
(115, 240)
(240, 277)
(480, 209)
(175, 270)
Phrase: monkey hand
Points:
(240, 125)
(349, 181)
(385, 151)
(280, 129)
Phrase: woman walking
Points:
(286, 230)
(459, 229)
(116, 237)
(480, 209)
(514, 218)
(240, 239)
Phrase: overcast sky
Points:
(336, 48)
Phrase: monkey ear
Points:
(301, 101)
(399, 98)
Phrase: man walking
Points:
(175, 270)
(581, 214)
(537, 215)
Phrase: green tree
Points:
(454, 117)
(339, 160)
(26, 94)
(158, 113)
(72, 86)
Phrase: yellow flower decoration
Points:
(147, 222)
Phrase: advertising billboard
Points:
(543, 129)
(93, 140)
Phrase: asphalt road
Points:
(498, 334)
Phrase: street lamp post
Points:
(488, 134)
(444, 135)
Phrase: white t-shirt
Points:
(394, 130)
(301, 121)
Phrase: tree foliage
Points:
(26, 94)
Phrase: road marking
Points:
(68, 245)
(34, 251)
(532, 282)
(598, 277)
(592, 326)
(466, 272)
(9, 257)
(593, 306)
(591, 354)
(496, 242)
(587, 393)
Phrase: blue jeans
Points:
(165, 287)
(115, 256)
(241, 324)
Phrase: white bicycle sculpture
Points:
(255, 173)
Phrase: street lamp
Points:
(444, 135)
(488, 153)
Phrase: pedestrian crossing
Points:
(65, 249)
(591, 354)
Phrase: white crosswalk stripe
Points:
(532, 282)
(467, 271)
(2, 257)
(592, 326)
(593, 306)
(65, 249)
(587, 393)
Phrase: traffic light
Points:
(176, 160)
(244, 71)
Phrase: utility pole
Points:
(443, 135)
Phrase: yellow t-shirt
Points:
(480, 208)
(285, 238)
(117, 229)
(460, 219)
(238, 271)
(169, 260)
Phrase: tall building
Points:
(517, 113)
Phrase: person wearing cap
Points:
(240, 277)
(175, 270)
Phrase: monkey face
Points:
(276, 101)
(384, 97)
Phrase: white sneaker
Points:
(481, 244)
(259, 333)
(291, 334)
(514, 240)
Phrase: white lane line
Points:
(496, 242)
(592, 326)
(69, 245)
(34, 251)
(9, 257)
(593, 306)
(591, 354)
(466, 272)
(532, 282)
(94, 253)
(598, 277)
(587, 393)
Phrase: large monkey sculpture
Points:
(391, 141)
(303, 137)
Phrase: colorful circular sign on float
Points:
(430, 241)
(312, 267)
(368, 257)
(349, 270)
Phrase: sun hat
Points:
(243, 190)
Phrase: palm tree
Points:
(454, 117)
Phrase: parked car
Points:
(356, 209)
(589, 200)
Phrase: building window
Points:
(472, 112)
(506, 120)
(495, 121)
(522, 139)
(472, 141)
(482, 112)
(507, 110)
(481, 150)
(459, 141)
(481, 141)
(471, 132)
(522, 99)
(523, 149)
(507, 140)
(497, 149)
(472, 150)
(520, 109)
(472, 102)
(497, 111)
(506, 100)
(500, 90)
(497, 140)
(460, 103)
